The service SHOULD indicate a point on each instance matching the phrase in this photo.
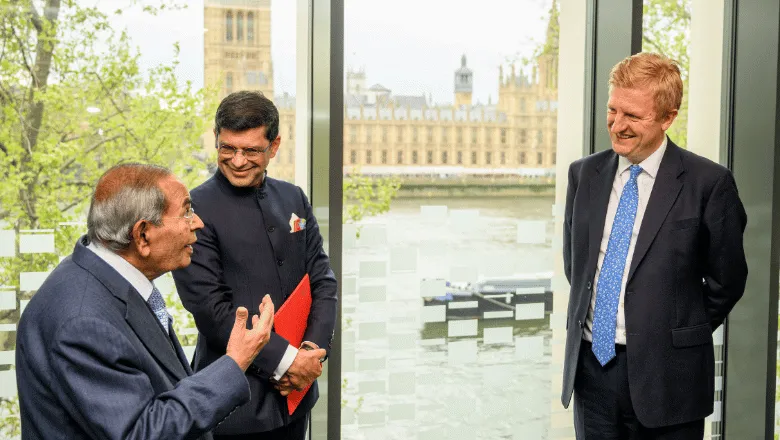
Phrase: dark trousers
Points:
(294, 431)
(603, 408)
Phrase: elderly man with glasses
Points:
(96, 354)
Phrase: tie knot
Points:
(635, 170)
(156, 301)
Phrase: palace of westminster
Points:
(399, 134)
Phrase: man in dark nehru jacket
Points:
(259, 237)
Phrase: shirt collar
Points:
(650, 165)
(125, 269)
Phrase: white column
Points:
(303, 56)
(705, 77)
(571, 107)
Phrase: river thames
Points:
(412, 372)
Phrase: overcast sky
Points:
(409, 46)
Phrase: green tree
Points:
(366, 196)
(666, 29)
(73, 102)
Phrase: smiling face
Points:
(239, 170)
(169, 245)
(635, 127)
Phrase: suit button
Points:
(280, 262)
(580, 323)
(590, 285)
(271, 229)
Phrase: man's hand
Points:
(305, 369)
(284, 386)
(244, 345)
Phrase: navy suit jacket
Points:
(246, 250)
(687, 273)
(93, 362)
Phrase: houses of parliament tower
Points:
(386, 133)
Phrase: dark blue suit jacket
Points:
(247, 250)
(93, 362)
(687, 273)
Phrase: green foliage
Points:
(10, 423)
(73, 102)
(666, 28)
(367, 196)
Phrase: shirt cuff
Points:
(287, 360)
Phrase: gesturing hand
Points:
(244, 345)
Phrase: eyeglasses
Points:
(227, 151)
(188, 215)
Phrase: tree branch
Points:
(35, 18)
(43, 56)
(90, 149)
(24, 54)
(107, 91)
(70, 206)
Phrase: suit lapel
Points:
(600, 189)
(666, 188)
(138, 315)
(147, 327)
(180, 352)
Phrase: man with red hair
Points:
(653, 251)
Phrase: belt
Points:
(618, 347)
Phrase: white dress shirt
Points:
(127, 270)
(645, 182)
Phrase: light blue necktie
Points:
(157, 303)
(611, 275)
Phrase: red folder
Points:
(290, 323)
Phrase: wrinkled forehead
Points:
(177, 196)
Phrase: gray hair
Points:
(124, 195)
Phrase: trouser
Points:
(603, 408)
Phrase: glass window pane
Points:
(447, 264)
(666, 29)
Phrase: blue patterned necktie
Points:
(611, 275)
(157, 303)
